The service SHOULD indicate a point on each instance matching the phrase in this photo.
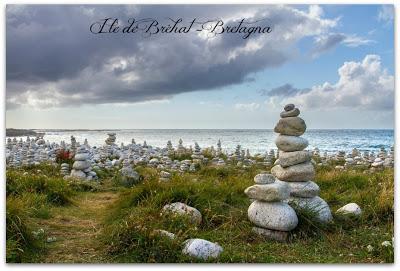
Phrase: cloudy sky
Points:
(335, 62)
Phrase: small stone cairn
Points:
(73, 144)
(181, 149)
(294, 165)
(81, 168)
(219, 148)
(64, 169)
(272, 216)
(110, 140)
(197, 156)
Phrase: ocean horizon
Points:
(256, 140)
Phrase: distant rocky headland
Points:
(20, 132)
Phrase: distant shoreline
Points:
(36, 131)
(20, 132)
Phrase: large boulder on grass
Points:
(182, 209)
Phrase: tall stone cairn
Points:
(294, 165)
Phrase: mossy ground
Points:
(108, 223)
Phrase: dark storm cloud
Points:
(53, 59)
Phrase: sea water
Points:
(257, 141)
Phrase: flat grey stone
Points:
(303, 189)
(268, 192)
(292, 113)
(264, 178)
(297, 173)
(291, 143)
(287, 159)
(280, 236)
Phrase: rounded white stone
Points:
(272, 215)
(350, 209)
(179, 208)
(201, 249)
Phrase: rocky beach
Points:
(287, 193)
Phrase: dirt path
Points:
(76, 228)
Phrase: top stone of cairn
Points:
(289, 107)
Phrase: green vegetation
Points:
(105, 222)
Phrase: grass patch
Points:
(124, 230)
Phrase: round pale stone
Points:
(297, 173)
(292, 113)
(291, 143)
(201, 249)
(264, 178)
(164, 233)
(287, 159)
(350, 209)
(80, 165)
(315, 204)
(268, 192)
(303, 189)
(293, 126)
(273, 215)
(81, 156)
(78, 174)
(179, 208)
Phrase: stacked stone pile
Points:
(294, 165)
(129, 176)
(180, 149)
(219, 148)
(64, 169)
(197, 156)
(110, 140)
(81, 168)
(170, 148)
(272, 216)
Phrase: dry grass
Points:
(76, 228)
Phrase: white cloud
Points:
(363, 85)
(355, 41)
(326, 42)
(386, 13)
(247, 106)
